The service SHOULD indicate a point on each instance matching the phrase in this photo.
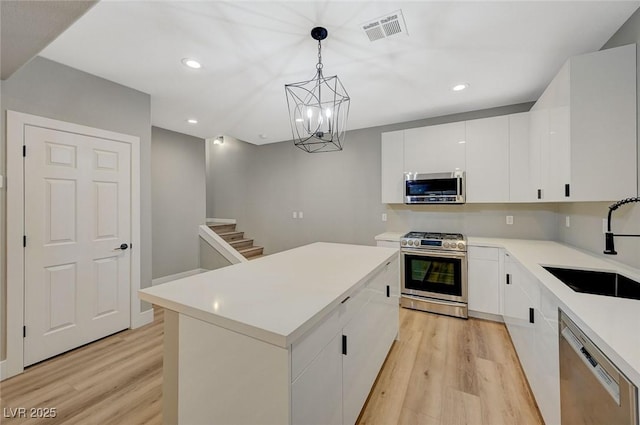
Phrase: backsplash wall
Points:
(530, 221)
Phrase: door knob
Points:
(122, 247)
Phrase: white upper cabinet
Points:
(549, 159)
(435, 149)
(392, 160)
(603, 125)
(583, 130)
(520, 187)
(487, 159)
(578, 142)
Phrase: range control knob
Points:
(404, 243)
(410, 243)
(460, 245)
(416, 242)
(446, 244)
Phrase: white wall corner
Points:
(144, 318)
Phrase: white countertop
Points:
(390, 236)
(276, 298)
(612, 323)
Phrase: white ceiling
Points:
(507, 51)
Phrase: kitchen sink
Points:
(597, 282)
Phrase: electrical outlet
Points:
(300, 214)
(567, 221)
(295, 214)
(1, 181)
(509, 219)
(384, 216)
(604, 225)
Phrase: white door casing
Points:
(104, 299)
(77, 214)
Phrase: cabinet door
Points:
(521, 188)
(487, 159)
(392, 161)
(550, 139)
(603, 125)
(516, 317)
(547, 352)
(316, 396)
(435, 149)
(484, 281)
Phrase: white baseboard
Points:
(176, 276)
(221, 220)
(3, 373)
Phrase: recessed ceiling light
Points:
(462, 141)
(191, 63)
(460, 87)
(192, 121)
(262, 136)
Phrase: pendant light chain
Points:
(319, 64)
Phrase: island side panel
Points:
(226, 377)
(170, 369)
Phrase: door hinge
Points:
(567, 190)
(388, 291)
(24, 241)
(531, 317)
(344, 345)
(24, 150)
(24, 331)
(508, 279)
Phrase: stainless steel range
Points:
(434, 272)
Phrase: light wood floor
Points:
(449, 371)
(442, 371)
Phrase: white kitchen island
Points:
(296, 337)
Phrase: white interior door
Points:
(77, 215)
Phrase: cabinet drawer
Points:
(483, 253)
(354, 304)
(311, 343)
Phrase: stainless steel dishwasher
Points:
(592, 389)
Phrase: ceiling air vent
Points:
(385, 26)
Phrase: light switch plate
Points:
(384, 216)
(509, 219)
(1, 181)
(300, 214)
(567, 221)
(295, 214)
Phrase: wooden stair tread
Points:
(231, 236)
(251, 251)
(241, 243)
(223, 227)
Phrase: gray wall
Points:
(586, 218)
(177, 200)
(338, 192)
(52, 90)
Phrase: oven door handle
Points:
(439, 254)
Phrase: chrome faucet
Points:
(609, 248)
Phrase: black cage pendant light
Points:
(318, 108)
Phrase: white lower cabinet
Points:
(314, 396)
(335, 365)
(484, 279)
(530, 313)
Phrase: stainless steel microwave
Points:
(434, 188)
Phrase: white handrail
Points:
(220, 245)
